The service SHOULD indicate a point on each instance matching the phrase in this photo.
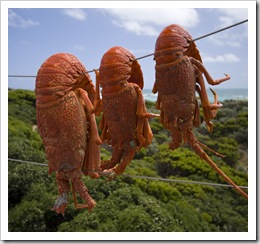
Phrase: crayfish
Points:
(179, 72)
(124, 122)
(66, 122)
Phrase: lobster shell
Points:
(124, 121)
(62, 120)
(178, 77)
(175, 38)
(119, 64)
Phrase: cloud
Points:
(150, 21)
(75, 13)
(227, 39)
(141, 50)
(231, 37)
(136, 27)
(226, 58)
(79, 47)
(15, 20)
(231, 16)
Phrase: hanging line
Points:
(140, 177)
(148, 55)
(225, 28)
(201, 37)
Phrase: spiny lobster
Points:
(124, 121)
(179, 72)
(66, 122)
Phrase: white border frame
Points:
(250, 235)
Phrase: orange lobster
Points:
(66, 122)
(124, 121)
(179, 72)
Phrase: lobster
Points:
(179, 72)
(124, 122)
(66, 121)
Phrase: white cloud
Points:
(79, 47)
(229, 16)
(141, 50)
(75, 13)
(227, 39)
(150, 21)
(15, 20)
(226, 58)
(136, 27)
(233, 37)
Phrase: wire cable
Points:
(225, 28)
(141, 177)
(148, 55)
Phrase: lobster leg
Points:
(141, 110)
(116, 158)
(143, 131)
(94, 140)
(209, 110)
(158, 101)
(104, 128)
(129, 155)
(79, 187)
(154, 90)
(97, 101)
(93, 149)
(209, 79)
(196, 120)
(63, 189)
(194, 143)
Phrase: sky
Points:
(34, 34)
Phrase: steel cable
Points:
(141, 177)
(148, 55)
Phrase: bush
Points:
(128, 203)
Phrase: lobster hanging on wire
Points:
(66, 122)
(124, 121)
(179, 72)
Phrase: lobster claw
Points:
(136, 74)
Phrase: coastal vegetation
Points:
(129, 203)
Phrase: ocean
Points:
(223, 94)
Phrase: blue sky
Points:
(34, 34)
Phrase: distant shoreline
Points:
(223, 94)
